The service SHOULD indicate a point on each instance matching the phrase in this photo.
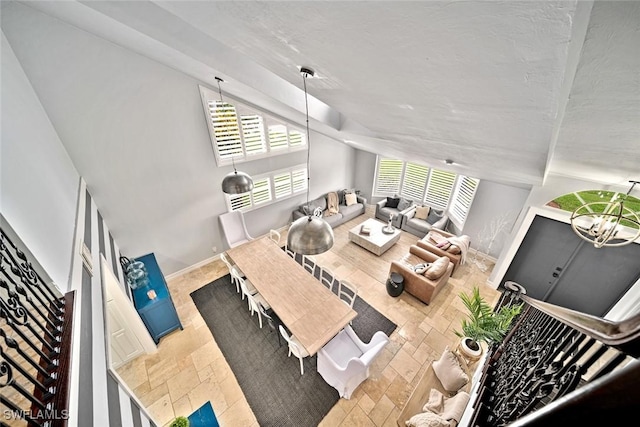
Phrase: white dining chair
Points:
(294, 347)
(246, 287)
(229, 265)
(289, 251)
(257, 304)
(327, 278)
(345, 360)
(235, 229)
(347, 293)
(309, 264)
(275, 236)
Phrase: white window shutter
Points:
(414, 181)
(439, 188)
(261, 191)
(388, 176)
(224, 121)
(282, 184)
(463, 197)
(278, 137)
(299, 178)
(253, 134)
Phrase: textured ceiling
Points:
(511, 91)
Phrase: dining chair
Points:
(289, 251)
(347, 293)
(229, 265)
(294, 347)
(234, 227)
(273, 320)
(246, 286)
(327, 278)
(257, 304)
(309, 264)
(275, 236)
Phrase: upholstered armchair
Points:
(344, 361)
(234, 227)
(420, 286)
(387, 207)
(456, 253)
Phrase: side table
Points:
(395, 284)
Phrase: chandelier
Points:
(607, 223)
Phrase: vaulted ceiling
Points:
(510, 90)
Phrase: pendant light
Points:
(309, 235)
(607, 223)
(234, 182)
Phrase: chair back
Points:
(224, 259)
(234, 227)
(309, 264)
(327, 278)
(347, 293)
(297, 351)
(275, 236)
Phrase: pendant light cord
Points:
(306, 105)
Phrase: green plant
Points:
(180, 422)
(482, 322)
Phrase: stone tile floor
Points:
(189, 369)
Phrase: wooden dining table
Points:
(311, 312)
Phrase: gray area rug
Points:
(271, 381)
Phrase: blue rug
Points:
(203, 417)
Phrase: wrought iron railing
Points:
(35, 338)
(558, 367)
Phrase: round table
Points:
(395, 284)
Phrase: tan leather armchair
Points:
(426, 243)
(416, 284)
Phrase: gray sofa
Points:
(420, 227)
(345, 213)
(383, 211)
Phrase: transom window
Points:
(270, 188)
(437, 188)
(240, 132)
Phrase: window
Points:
(270, 188)
(462, 198)
(243, 133)
(388, 176)
(440, 189)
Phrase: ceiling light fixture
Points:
(448, 161)
(309, 235)
(607, 223)
(234, 182)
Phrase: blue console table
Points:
(159, 314)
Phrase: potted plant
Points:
(180, 422)
(483, 324)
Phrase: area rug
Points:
(270, 380)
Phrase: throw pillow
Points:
(421, 268)
(404, 204)
(427, 419)
(341, 196)
(422, 212)
(449, 372)
(437, 269)
(444, 245)
(350, 199)
(392, 202)
(453, 249)
(434, 216)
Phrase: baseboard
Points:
(192, 267)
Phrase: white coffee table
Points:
(377, 241)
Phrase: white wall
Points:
(31, 154)
(136, 131)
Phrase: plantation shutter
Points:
(439, 188)
(463, 197)
(278, 137)
(297, 138)
(253, 134)
(261, 191)
(282, 184)
(389, 173)
(414, 181)
(299, 178)
(240, 201)
(224, 120)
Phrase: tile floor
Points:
(164, 382)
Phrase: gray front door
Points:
(556, 266)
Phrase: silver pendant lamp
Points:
(309, 235)
(234, 182)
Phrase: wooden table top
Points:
(312, 312)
